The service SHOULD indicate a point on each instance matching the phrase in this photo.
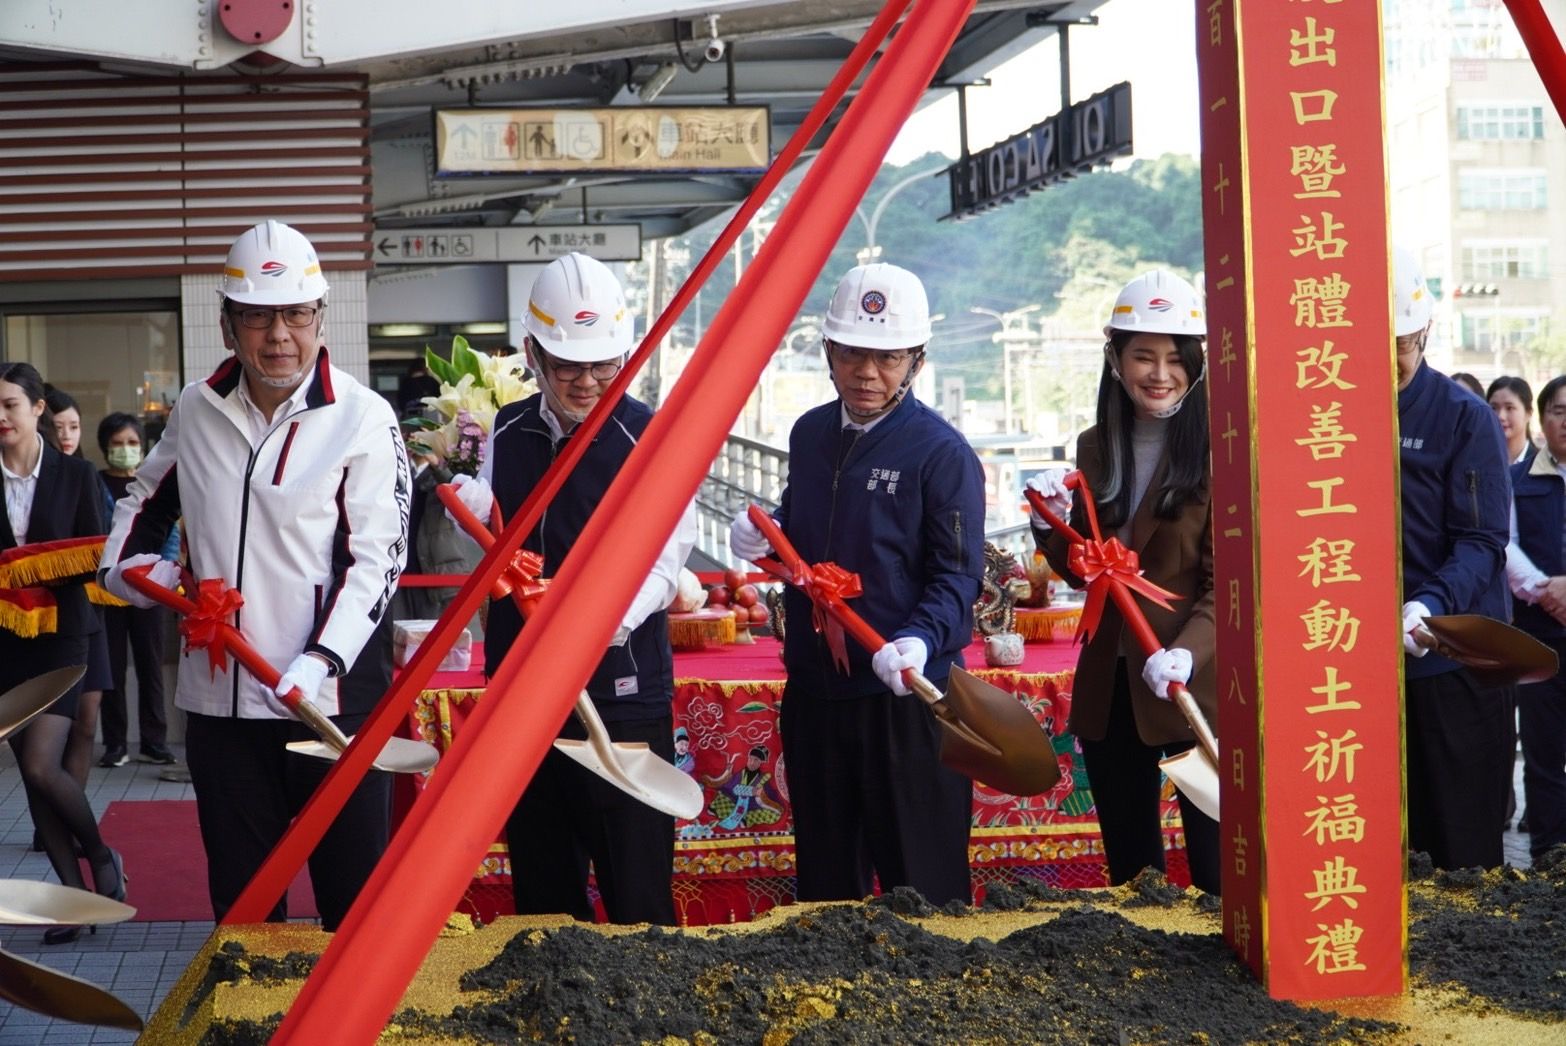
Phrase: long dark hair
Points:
(1186, 446)
(1522, 390)
(59, 401)
(26, 377)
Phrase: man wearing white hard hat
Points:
(1456, 502)
(579, 332)
(883, 486)
(291, 482)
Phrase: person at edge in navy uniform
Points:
(883, 486)
(1456, 499)
(291, 480)
(579, 332)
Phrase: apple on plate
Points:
(746, 596)
(733, 578)
(758, 614)
(718, 596)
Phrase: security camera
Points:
(715, 46)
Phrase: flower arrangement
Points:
(473, 386)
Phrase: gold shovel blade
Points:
(398, 756)
(1495, 653)
(633, 768)
(27, 902)
(1197, 778)
(25, 700)
(61, 996)
(1013, 754)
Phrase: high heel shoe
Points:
(65, 934)
(120, 878)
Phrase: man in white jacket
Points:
(292, 483)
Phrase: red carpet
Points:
(166, 865)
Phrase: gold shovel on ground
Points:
(631, 767)
(986, 733)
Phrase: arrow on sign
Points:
(536, 242)
(385, 245)
(464, 136)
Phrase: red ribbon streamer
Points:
(204, 627)
(828, 585)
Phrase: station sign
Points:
(509, 243)
(1075, 140)
(730, 138)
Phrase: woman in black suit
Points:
(49, 496)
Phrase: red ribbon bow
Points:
(828, 585)
(1103, 564)
(523, 581)
(207, 624)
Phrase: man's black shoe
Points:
(157, 754)
(116, 756)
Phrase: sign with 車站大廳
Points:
(511, 243)
(734, 138)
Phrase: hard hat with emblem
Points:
(1411, 301)
(576, 311)
(1158, 302)
(272, 264)
(878, 306)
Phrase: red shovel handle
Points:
(852, 623)
(473, 527)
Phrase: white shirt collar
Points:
(862, 426)
(37, 465)
(259, 425)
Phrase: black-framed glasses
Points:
(260, 319)
(601, 371)
(883, 359)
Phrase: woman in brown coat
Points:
(1146, 462)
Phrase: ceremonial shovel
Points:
(399, 755)
(1495, 653)
(632, 767)
(1195, 771)
(27, 903)
(986, 733)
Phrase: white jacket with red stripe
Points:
(311, 525)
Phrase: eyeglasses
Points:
(883, 360)
(571, 371)
(262, 319)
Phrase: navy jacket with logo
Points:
(1456, 505)
(903, 507)
(1540, 497)
(634, 681)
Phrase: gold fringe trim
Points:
(1048, 623)
(693, 634)
(29, 624)
(80, 558)
(99, 596)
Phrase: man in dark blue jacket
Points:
(884, 487)
(579, 332)
(1456, 501)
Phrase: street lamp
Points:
(1014, 332)
(871, 250)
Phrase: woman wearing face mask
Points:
(1146, 462)
(120, 437)
(49, 497)
(1512, 400)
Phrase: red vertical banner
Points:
(1305, 493)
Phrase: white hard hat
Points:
(576, 310)
(1158, 302)
(272, 264)
(878, 306)
(1411, 301)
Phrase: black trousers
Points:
(871, 798)
(142, 631)
(249, 789)
(568, 816)
(1126, 781)
(1461, 740)
(1541, 723)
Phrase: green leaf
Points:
(465, 361)
(441, 370)
(755, 706)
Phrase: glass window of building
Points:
(1500, 122)
(1501, 189)
(1498, 260)
(108, 361)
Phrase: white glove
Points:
(1414, 614)
(1166, 666)
(163, 572)
(1052, 485)
(306, 672)
(475, 494)
(746, 539)
(890, 660)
